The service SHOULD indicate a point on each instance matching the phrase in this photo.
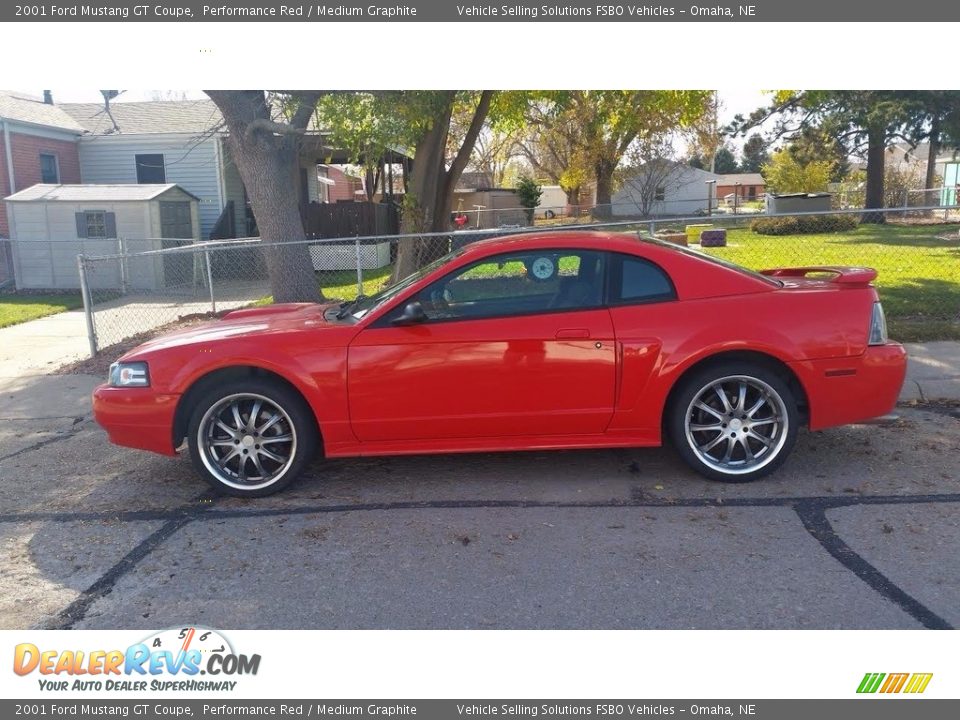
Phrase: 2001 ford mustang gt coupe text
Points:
(556, 340)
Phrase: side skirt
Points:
(491, 444)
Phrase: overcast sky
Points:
(734, 101)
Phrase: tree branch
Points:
(470, 138)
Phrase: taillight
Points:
(878, 325)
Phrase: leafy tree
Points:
(725, 162)
(938, 122)
(784, 174)
(612, 120)
(495, 153)
(755, 154)
(704, 134)
(529, 194)
(266, 132)
(865, 121)
(696, 161)
(421, 120)
(815, 143)
(599, 126)
(553, 146)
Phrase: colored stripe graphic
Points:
(918, 682)
(894, 683)
(870, 682)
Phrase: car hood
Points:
(248, 323)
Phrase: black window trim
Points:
(386, 319)
(610, 260)
(616, 261)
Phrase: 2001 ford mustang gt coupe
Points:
(556, 340)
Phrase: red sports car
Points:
(556, 340)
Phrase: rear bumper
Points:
(136, 417)
(849, 390)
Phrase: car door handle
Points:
(572, 333)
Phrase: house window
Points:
(96, 224)
(660, 194)
(323, 184)
(49, 169)
(150, 169)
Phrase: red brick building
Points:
(337, 186)
(38, 144)
(751, 186)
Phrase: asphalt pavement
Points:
(858, 530)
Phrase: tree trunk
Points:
(573, 200)
(423, 201)
(934, 139)
(429, 199)
(876, 157)
(269, 167)
(604, 176)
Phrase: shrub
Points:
(804, 224)
(529, 193)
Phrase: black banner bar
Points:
(462, 11)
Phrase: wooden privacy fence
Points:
(350, 219)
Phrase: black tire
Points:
(734, 427)
(207, 439)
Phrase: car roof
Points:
(586, 239)
(687, 269)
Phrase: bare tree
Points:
(266, 133)
(650, 175)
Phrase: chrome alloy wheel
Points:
(247, 441)
(736, 424)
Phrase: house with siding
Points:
(38, 144)
(185, 142)
(180, 142)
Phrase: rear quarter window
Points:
(635, 280)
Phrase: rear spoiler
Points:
(841, 275)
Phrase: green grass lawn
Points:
(342, 284)
(20, 308)
(918, 274)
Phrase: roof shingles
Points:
(20, 108)
(141, 118)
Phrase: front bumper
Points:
(842, 391)
(136, 417)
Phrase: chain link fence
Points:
(6, 264)
(916, 251)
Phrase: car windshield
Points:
(362, 305)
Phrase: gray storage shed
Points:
(51, 224)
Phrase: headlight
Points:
(878, 325)
(129, 374)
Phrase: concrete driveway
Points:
(859, 530)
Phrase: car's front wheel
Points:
(251, 437)
(733, 422)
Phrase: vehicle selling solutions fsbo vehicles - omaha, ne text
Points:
(550, 340)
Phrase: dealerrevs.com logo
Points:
(169, 660)
(910, 683)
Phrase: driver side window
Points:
(518, 284)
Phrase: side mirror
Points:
(412, 314)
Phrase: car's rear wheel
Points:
(734, 422)
(251, 437)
